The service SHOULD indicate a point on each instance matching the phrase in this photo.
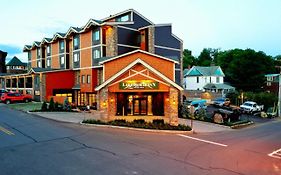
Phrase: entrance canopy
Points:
(139, 76)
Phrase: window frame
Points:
(88, 79)
(83, 79)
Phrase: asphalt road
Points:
(32, 145)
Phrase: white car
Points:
(251, 107)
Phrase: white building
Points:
(205, 78)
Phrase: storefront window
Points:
(140, 104)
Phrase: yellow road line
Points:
(6, 131)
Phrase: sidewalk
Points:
(204, 127)
(73, 117)
(69, 117)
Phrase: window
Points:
(62, 60)
(96, 35)
(218, 79)
(48, 62)
(210, 79)
(29, 55)
(48, 49)
(88, 79)
(83, 79)
(78, 79)
(123, 18)
(96, 53)
(38, 52)
(61, 45)
(76, 42)
(39, 64)
(197, 79)
(75, 57)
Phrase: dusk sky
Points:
(224, 24)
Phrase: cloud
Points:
(11, 49)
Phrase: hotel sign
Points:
(139, 84)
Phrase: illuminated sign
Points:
(138, 84)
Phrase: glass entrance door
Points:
(140, 106)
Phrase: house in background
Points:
(16, 66)
(209, 79)
(272, 83)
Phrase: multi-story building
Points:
(72, 64)
(15, 65)
(272, 83)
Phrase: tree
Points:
(208, 57)
(188, 59)
(245, 69)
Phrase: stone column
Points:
(173, 109)
(151, 39)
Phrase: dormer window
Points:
(96, 35)
(48, 49)
(38, 52)
(76, 42)
(61, 43)
(124, 18)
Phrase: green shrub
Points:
(52, 105)
(158, 121)
(66, 105)
(57, 106)
(138, 124)
(139, 121)
(44, 106)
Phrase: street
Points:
(33, 145)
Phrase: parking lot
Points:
(254, 118)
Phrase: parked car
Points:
(250, 107)
(10, 97)
(196, 105)
(226, 114)
(271, 112)
(2, 91)
(221, 102)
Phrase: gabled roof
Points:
(58, 35)
(124, 12)
(145, 65)
(46, 40)
(38, 70)
(15, 62)
(73, 30)
(135, 51)
(272, 75)
(218, 86)
(92, 22)
(27, 47)
(205, 71)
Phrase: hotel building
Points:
(123, 65)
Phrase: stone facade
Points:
(43, 87)
(151, 39)
(111, 41)
(171, 106)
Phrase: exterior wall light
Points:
(104, 103)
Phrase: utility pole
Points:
(279, 92)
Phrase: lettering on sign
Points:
(143, 84)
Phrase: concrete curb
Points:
(139, 129)
(242, 125)
(209, 123)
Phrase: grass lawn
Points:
(26, 106)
